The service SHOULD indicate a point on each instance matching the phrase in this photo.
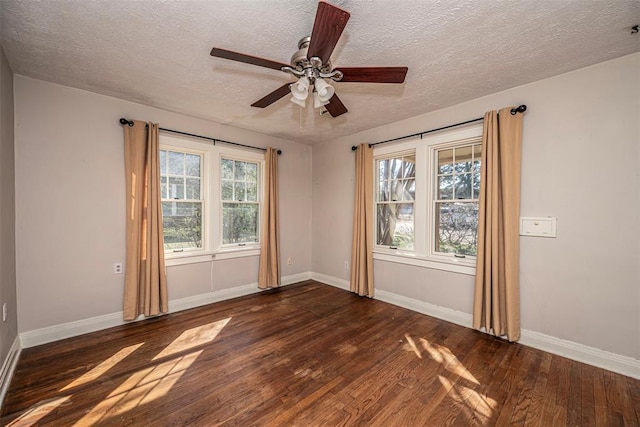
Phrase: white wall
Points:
(70, 204)
(581, 157)
(8, 329)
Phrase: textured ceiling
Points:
(157, 52)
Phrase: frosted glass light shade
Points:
(300, 89)
(324, 89)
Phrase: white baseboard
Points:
(624, 365)
(8, 368)
(579, 352)
(439, 312)
(333, 281)
(97, 323)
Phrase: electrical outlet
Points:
(117, 268)
(346, 265)
(289, 261)
(4, 312)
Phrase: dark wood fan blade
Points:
(374, 74)
(273, 96)
(247, 59)
(335, 107)
(327, 28)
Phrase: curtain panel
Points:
(145, 287)
(497, 288)
(269, 269)
(362, 242)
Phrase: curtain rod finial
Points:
(124, 121)
(354, 147)
(519, 109)
(279, 152)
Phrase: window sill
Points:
(197, 257)
(454, 266)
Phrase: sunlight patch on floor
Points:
(38, 412)
(193, 337)
(473, 404)
(411, 346)
(103, 367)
(142, 387)
(443, 355)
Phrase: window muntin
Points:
(455, 202)
(181, 196)
(395, 194)
(239, 183)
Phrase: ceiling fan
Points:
(312, 66)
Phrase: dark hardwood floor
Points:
(308, 354)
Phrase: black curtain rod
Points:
(124, 121)
(519, 109)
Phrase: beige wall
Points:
(70, 204)
(8, 329)
(581, 151)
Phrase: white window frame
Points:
(242, 156)
(386, 156)
(212, 247)
(425, 149)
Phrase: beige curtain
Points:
(269, 270)
(497, 291)
(145, 287)
(362, 243)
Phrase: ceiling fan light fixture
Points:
(317, 102)
(300, 89)
(325, 90)
(297, 101)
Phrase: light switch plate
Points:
(538, 226)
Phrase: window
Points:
(181, 187)
(211, 199)
(396, 188)
(456, 199)
(240, 207)
(426, 200)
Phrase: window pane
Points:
(456, 226)
(383, 169)
(476, 185)
(182, 225)
(463, 186)
(163, 162)
(227, 169)
(163, 187)
(409, 167)
(193, 188)
(176, 188)
(395, 168)
(396, 190)
(239, 223)
(240, 192)
(384, 192)
(445, 159)
(463, 159)
(176, 163)
(252, 172)
(409, 189)
(239, 172)
(395, 225)
(252, 191)
(227, 190)
(193, 165)
(445, 187)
